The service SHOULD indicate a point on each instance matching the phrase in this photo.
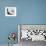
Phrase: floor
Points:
(30, 43)
(7, 45)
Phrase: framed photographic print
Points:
(10, 11)
(32, 32)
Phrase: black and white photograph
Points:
(10, 11)
(29, 34)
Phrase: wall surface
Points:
(28, 12)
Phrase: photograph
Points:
(10, 11)
(30, 33)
